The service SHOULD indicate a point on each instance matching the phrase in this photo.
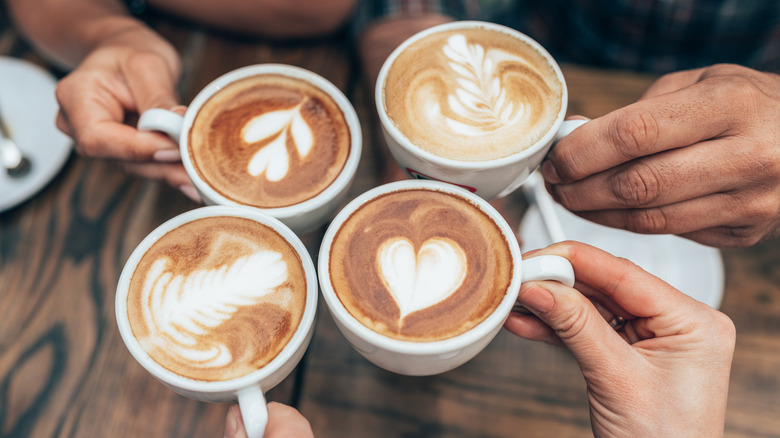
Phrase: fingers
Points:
(573, 319)
(283, 422)
(673, 82)
(151, 82)
(659, 179)
(633, 289)
(93, 111)
(644, 128)
(286, 422)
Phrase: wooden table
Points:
(64, 370)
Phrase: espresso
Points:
(216, 298)
(472, 94)
(420, 265)
(269, 141)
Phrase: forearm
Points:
(67, 30)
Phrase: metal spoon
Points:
(12, 159)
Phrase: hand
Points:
(283, 422)
(664, 374)
(698, 156)
(132, 70)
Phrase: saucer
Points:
(692, 268)
(29, 109)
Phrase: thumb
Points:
(576, 321)
(152, 82)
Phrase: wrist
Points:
(129, 33)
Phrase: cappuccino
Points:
(472, 94)
(420, 264)
(216, 298)
(269, 141)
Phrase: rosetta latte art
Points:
(480, 99)
(472, 94)
(273, 159)
(182, 309)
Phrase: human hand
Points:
(132, 70)
(283, 422)
(665, 373)
(697, 156)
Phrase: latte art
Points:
(216, 298)
(419, 265)
(269, 141)
(472, 94)
(273, 158)
(423, 279)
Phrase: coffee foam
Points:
(269, 141)
(217, 298)
(420, 265)
(472, 94)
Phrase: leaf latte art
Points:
(216, 298)
(472, 94)
(419, 265)
(269, 141)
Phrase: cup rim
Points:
(297, 341)
(353, 123)
(484, 328)
(404, 142)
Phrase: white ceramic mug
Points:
(488, 178)
(249, 389)
(427, 358)
(301, 217)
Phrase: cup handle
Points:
(163, 120)
(548, 267)
(254, 411)
(567, 127)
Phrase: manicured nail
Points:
(536, 298)
(190, 192)
(167, 155)
(550, 173)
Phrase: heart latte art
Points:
(269, 141)
(420, 265)
(472, 94)
(216, 298)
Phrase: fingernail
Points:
(167, 155)
(536, 298)
(550, 173)
(231, 424)
(190, 192)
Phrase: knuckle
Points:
(646, 220)
(634, 131)
(572, 323)
(636, 185)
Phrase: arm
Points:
(121, 68)
(666, 373)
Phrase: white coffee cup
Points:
(490, 178)
(301, 217)
(427, 358)
(249, 389)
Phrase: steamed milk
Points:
(217, 298)
(472, 94)
(420, 265)
(269, 141)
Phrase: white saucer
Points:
(29, 109)
(694, 269)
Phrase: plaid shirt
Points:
(646, 35)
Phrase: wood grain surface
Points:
(64, 371)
